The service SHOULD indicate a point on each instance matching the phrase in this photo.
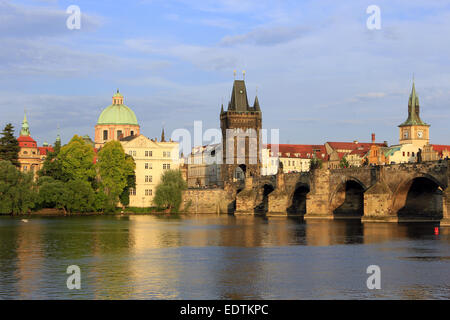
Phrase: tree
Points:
(79, 196)
(344, 163)
(9, 146)
(77, 160)
(114, 169)
(168, 193)
(52, 166)
(131, 183)
(52, 193)
(17, 193)
(316, 164)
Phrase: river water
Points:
(220, 257)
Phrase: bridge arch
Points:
(347, 199)
(297, 199)
(419, 197)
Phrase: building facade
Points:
(115, 122)
(152, 159)
(31, 157)
(204, 169)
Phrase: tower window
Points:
(132, 132)
(119, 134)
(105, 134)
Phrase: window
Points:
(166, 166)
(403, 153)
(132, 192)
(24, 168)
(148, 153)
(132, 132)
(148, 192)
(168, 154)
(105, 134)
(148, 179)
(408, 154)
(413, 154)
(146, 165)
(119, 133)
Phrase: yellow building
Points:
(31, 157)
(152, 158)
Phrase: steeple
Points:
(163, 139)
(25, 131)
(58, 136)
(413, 110)
(256, 104)
(239, 101)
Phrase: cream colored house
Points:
(203, 166)
(152, 158)
(403, 153)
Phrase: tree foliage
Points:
(169, 191)
(114, 169)
(52, 166)
(344, 163)
(77, 160)
(316, 164)
(17, 192)
(9, 146)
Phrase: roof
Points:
(239, 100)
(43, 151)
(440, 148)
(118, 114)
(26, 141)
(352, 145)
(301, 151)
(413, 110)
(129, 138)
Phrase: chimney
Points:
(373, 137)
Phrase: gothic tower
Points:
(241, 125)
(414, 130)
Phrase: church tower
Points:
(241, 125)
(414, 130)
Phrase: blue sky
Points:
(321, 74)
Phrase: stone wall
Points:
(206, 201)
(317, 201)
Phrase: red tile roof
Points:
(440, 148)
(300, 151)
(27, 141)
(352, 145)
(43, 151)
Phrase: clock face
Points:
(419, 134)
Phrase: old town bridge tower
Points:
(241, 125)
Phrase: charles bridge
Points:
(390, 193)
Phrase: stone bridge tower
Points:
(241, 125)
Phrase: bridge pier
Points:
(246, 199)
(378, 204)
(279, 198)
(318, 199)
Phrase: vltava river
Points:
(220, 257)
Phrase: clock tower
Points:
(414, 130)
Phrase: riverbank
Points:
(51, 212)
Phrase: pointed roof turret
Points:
(25, 131)
(256, 104)
(413, 110)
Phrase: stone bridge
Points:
(392, 193)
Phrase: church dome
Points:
(117, 113)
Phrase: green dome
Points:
(117, 114)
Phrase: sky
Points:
(319, 72)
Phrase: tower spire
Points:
(163, 138)
(25, 131)
(413, 109)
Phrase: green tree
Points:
(52, 166)
(114, 169)
(17, 192)
(77, 160)
(52, 193)
(79, 197)
(168, 193)
(344, 163)
(316, 164)
(9, 146)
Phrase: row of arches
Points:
(420, 198)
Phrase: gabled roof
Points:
(300, 151)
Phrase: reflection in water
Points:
(220, 257)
